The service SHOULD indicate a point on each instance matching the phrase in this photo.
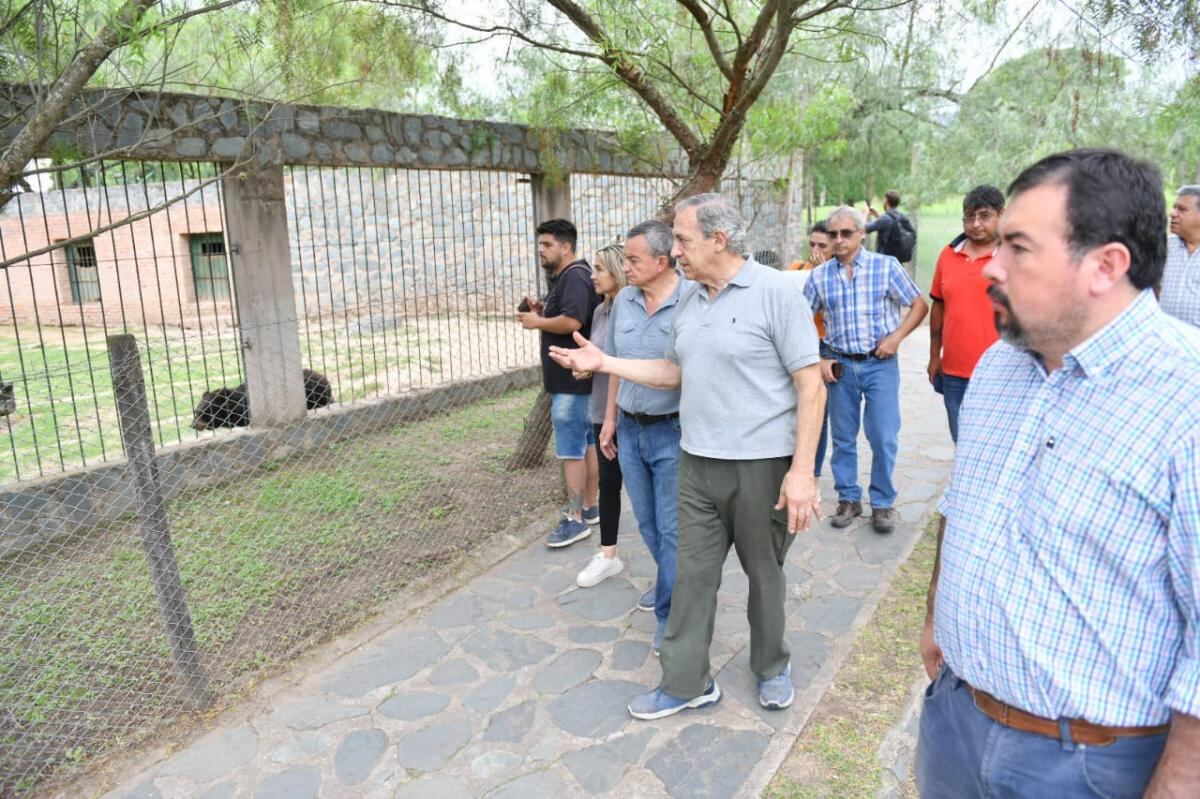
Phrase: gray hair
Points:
(713, 213)
(658, 238)
(860, 221)
(1190, 191)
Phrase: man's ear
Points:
(720, 240)
(1109, 266)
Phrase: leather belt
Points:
(649, 418)
(1082, 732)
(853, 356)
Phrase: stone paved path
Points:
(515, 685)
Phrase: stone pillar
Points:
(792, 212)
(257, 231)
(551, 200)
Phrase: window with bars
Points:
(83, 272)
(210, 269)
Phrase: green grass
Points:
(273, 561)
(835, 755)
(66, 414)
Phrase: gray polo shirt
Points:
(632, 333)
(737, 355)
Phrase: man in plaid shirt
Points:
(1063, 633)
(860, 294)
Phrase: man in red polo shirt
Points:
(962, 321)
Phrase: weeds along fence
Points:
(139, 582)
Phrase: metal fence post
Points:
(130, 390)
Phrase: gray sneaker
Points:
(568, 532)
(590, 515)
(646, 602)
(777, 692)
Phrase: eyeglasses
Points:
(982, 217)
(844, 233)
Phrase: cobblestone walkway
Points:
(515, 685)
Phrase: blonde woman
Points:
(608, 276)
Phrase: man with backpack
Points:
(896, 234)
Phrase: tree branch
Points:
(632, 76)
(710, 36)
(43, 122)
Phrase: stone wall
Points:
(186, 127)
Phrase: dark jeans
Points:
(961, 753)
(610, 495)
(953, 391)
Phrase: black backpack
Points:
(902, 239)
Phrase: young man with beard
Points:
(568, 309)
(961, 324)
(1063, 626)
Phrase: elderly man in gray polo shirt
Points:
(743, 349)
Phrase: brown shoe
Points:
(883, 519)
(846, 513)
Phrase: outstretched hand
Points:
(588, 358)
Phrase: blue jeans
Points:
(649, 457)
(878, 381)
(953, 391)
(961, 753)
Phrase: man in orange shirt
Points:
(962, 321)
(820, 250)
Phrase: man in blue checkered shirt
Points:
(1180, 293)
(860, 294)
(1063, 634)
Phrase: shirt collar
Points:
(745, 275)
(962, 246)
(1117, 340)
(639, 296)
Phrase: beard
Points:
(1007, 324)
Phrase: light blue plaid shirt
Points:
(860, 311)
(1070, 578)
(1181, 282)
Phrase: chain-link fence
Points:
(156, 551)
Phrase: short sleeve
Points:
(575, 295)
(935, 288)
(796, 339)
(900, 286)
(609, 345)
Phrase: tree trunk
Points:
(531, 449)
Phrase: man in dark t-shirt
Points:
(567, 308)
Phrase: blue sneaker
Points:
(777, 692)
(590, 515)
(658, 704)
(568, 532)
(658, 636)
(646, 602)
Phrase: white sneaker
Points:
(599, 569)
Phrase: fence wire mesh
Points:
(136, 587)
